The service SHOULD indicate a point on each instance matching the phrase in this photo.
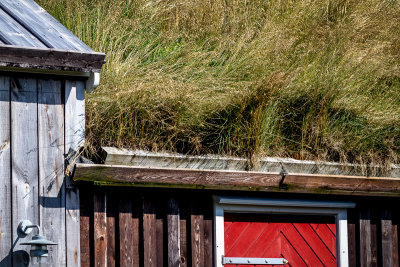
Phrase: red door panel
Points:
(302, 240)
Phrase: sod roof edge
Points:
(139, 158)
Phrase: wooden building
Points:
(154, 209)
(44, 71)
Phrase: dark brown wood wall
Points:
(125, 226)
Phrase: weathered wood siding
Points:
(128, 226)
(34, 137)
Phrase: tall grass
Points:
(305, 79)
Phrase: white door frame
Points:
(337, 209)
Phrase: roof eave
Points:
(50, 59)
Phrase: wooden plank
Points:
(395, 239)
(365, 237)
(86, 226)
(74, 138)
(374, 237)
(5, 173)
(137, 240)
(112, 208)
(352, 236)
(173, 224)
(51, 167)
(387, 237)
(126, 228)
(149, 233)
(160, 235)
(208, 241)
(183, 218)
(100, 228)
(53, 59)
(16, 33)
(45, 28)
(197, 235)
(236, 180)
(24, 143)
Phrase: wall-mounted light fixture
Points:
(39, 243)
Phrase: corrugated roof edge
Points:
(50, 59)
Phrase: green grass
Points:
(304, 79)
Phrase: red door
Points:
(301, 240)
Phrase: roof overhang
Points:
(146, 169)
(48, 59)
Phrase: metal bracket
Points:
(254, 261)
(281, 184)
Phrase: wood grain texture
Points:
(149, 234)
(112, 211)
(100, 229)
(126, 228)
(16, 32)
(51, 167)
(395, 239)
(352, 218)
(208, 242)
(181, 178)
(74, 138)
(51, 59)
(137, 240)
(386, 237)
(173, 224)
(236, 180)
(42, 25)
(183, 222)
(24, 143)
(5, 173)
(160, 236)
(86, 225)
(365, 237)
(197, 235)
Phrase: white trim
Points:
(281, 206)
(283, 202)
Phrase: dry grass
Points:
(304, 79)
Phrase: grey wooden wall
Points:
(41, 118)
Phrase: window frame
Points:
(338, 209)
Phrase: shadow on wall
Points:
(19, 258)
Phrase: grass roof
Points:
(303, 79)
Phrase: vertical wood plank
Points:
(86, 224)
(112, 206)
(160, 237)
(136, 231)
(126, 228)
(183, 233)
(395, 239)
(100, 228)
(74, 138)
(24, 143)
(149, 233)
(352, 236)
(374, 238)
(173, 224)
(197, 236)
(365, 237)
(5, 173)
(208, 242)
(51, 167)
(387, 242)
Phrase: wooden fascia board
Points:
(236, 180)
(53, 59)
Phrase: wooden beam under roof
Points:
(236, 180)
(50, 59)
